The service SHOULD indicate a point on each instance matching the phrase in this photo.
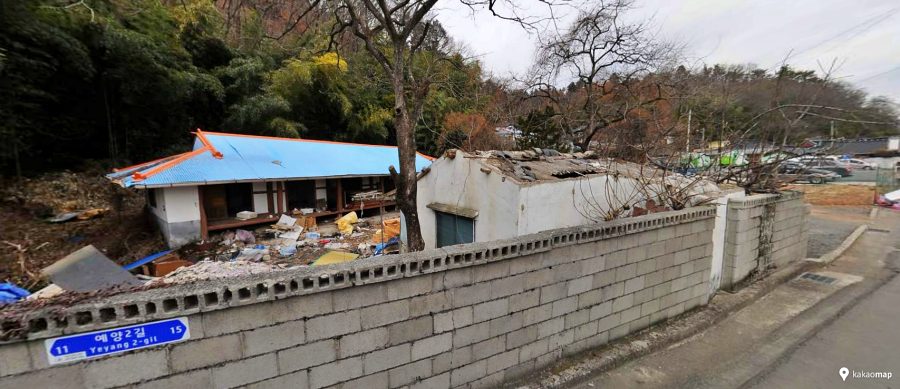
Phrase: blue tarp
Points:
(247, 158)
(10, 293)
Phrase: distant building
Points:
(861, 147)
(193, 193)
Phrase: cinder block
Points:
(452, 360)
(502, 361)
(524, 300)
(468, 373)
(487, 348)
(551, 327)
(537, 314)
(586, 330)
(14, 359)
(619, 332)
(636, 254)
(492, 271)
(593, 265)
(373, 381)
(488, 381)
(407, 374)
(577, 318)
(649, 307)
(277, 337)
(656, 249)
(566, 271)
(305, 306)
(471, 295)
(607, 323)
(643, 295)
(626, 272)
(519, 371)
(616, 259)
(674, 244)
(580, 285)
(471, 334)
(564, 306)
(507, 286)
(630, 314)
(666, 233)
(409, 287)
(198, 379)
(533, 350)
(383, 314)
(559, 340)
(244, 371)
(296, 380)
(410, 330)
(363, 342)
(329, 326)
(240, 318)
(634, 285)
(623, 303)
(646, 266)
(525, 264)
(430, 303)
(205, 352)
(522, 336)
(302, 357)
(602, 310)
(64, 377)
(554, 292)
(432, 346)
(457, 278)
(107, 373)
(332, 373)
(359, 296)
(490, 310)
(654, 278)
(538, 278)
(504, 324)
(437, 382)
(604, 278)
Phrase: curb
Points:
(830, 256)
(583, 366)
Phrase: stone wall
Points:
(764, 232)
(469, 316)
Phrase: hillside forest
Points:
(104, 83)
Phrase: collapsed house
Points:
(232, 180)
(484, 196)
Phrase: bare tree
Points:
(606, 63)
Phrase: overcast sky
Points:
(863, 35)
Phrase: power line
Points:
(879, 74)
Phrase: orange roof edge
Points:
(208, 145)
(140, 176)
(116, 170)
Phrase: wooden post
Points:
(381, 188)
(270, 200)
(204, 228)
(280, 187)
(340, 198)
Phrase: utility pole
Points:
(832, 130)
(687, 142)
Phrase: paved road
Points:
(864, 339)
(859, 175)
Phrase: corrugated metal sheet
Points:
(259, 158)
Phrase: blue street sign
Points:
(117, 340)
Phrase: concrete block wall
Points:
(469, 316)
(763, 232)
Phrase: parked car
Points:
(860, 164)
(826, 164)
(815, 176)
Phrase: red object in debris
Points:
(324, 241)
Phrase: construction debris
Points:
(87, 270)
(207, 270)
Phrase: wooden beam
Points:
(340, 196)
(280, 187)
(204, 228)
(270, 200)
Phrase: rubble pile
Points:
(207, 270)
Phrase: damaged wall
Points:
(764, 232)
(470, 316)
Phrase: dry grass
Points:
(831, 194)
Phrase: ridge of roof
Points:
(309, 141)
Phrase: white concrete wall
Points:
(260, 201)
(160, 209)
(573, 202)
(182, 204)
(460, 183)
(718, 236)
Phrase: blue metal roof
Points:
(263, 158)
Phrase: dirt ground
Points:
(28, 242)
(832, 194)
